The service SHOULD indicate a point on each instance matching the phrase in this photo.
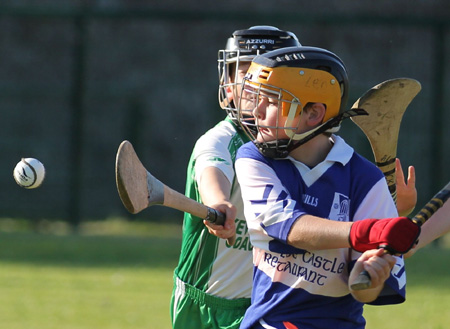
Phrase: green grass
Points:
(116, 274)
(100, 280)
(84, 297)
(427, 298)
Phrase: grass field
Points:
(119, 275)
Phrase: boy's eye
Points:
(272, 101)
(269, 99)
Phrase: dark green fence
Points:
(74, 82)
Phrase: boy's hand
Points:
(378, 263)
(228, 230)
(406, 193)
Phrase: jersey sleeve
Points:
(269, 210)
(211, 150)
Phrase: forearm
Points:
(434, 228)
(215, 191)
(214, 187)
(315, 233)
(367, 295)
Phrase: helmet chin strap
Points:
(333, 125)
(279, 149)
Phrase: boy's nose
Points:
(260, 110)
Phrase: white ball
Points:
(29, 173)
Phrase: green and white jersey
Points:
(207, 262)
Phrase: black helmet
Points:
(243, 46)
(257, 40)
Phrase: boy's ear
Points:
(229, 91)
(315, 114)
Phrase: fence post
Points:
(77, 119)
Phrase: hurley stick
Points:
(385, 103)
(139, 189)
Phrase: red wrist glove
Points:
(397, 235)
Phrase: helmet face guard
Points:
(279, 99)
(290, 79)
(244, 46)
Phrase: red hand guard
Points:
(397, 235)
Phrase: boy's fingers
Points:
(411, 176)
(399, 170)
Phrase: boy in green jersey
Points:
(212, 282)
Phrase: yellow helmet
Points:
(297, 76)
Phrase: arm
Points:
(213, 173)
(406, 193)
(315, 233)
(435, 227)
(397, 235)
(215, 190)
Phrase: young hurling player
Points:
(212, 282)
(309, 199)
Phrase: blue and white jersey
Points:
(309, 288)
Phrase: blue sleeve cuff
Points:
(280, 229)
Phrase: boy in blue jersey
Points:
(311, 203)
